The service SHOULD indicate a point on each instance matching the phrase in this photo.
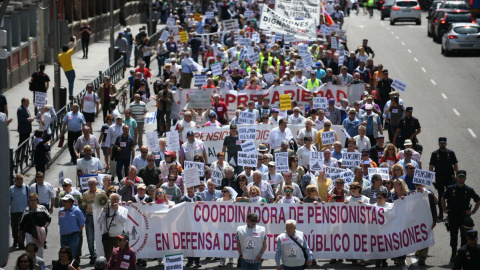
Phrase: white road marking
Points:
(409, 50)
(392, 32)
(424, 70)
(472, 133)
(383, 24)
(361, 26)
(414, 58)
(433, 82)
(403, 43)
(456, 112)
(397, 37)
(444, 96)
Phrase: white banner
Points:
(299, 8)
(273, 21)
(333, 230)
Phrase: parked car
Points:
(461, 37)
(385, 10)
(455, 5)
(449, 17)
(405, 10)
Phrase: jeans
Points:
(122, 163)
(90, 230)
(72, 241)
(71, 78)
(250, 266)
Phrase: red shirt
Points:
(145, 71)
(220, 109)
(122, 259)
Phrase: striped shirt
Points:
(87, 199)
(371, 193)
(138, 110)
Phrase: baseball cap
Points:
(123, 236)
(67, 181)
(385, 71)
(369, 107)
(271, 163)
(409, 109)
(68, 197)
(119, 116)
(380, 136)
(331, 101)
(442, 140)
(190, 133)
(472, 234)
(462, 173)
(275, 110)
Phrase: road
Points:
(443, 91)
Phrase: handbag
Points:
(305, 255)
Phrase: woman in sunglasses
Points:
(65, 260)
(161, 198)
(289, 198)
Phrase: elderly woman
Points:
(170, 159)
(34, 222)
(255, 195)
(397, 171)
(229, 195)
(323, 184)
(229, 178)
(241, 188)
(288, 198)
(311, 195)
(305, 151)
(339, 192)
(44, 119)
(66, 260)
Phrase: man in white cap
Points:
(373, 123)
(71, 222)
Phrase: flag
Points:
(326, 17)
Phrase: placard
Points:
(199, 166)
(152, 141)
(399, 85)
(234, 65)
(174, 30)
(217, 177)
(191, 177)
(83, 180)
(199, 80)
(150, 118)
(200, 99)
(348, 177)
(249, 13)
(216, 69)
(320, 103)
(331, 172)
(281, 162)
(350, 159)
(171, 22)
(299, 64)
(288, 38)
(316, 161)
(302, 49)
(333, 43)
(256, 37)
(247, 133)
(245, 117)
(40, 99)
(308, 60)
(60, 178)
(164, 36)
(247, 159)
(173, 261)
(383, 172)
(173, 140)
(249, 147)
(328, 137)
(244, 42)
(254, 58)
(423, 177)
(229, 25)
(197, 17)
(278, 37)
(285, 103)
(209, 15)
(183, 36)
(269, 77)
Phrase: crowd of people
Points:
(157, 177)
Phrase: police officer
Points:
(71, 222)
(469, 254)
(252, 243)
(408, 128)
(291, 246)
(458, 210)
(445, 163)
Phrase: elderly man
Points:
(132, 124)
(373, 123)
(86, 139)
(415, 155)
(107, 93)
(114, 217)
(188, 68)
(308, 131)
(265, 187)
(141, 161)
(211, 194)
(272, 177)
(87, 204)
(278, 134)
(71, 222)
(290, 247)
(248, 239)
(127, 187)
(18, 202)
(333, 113)
(150, 174)
(376, 152)
(296, 118)
(297, 192)
(73, 121)
(220, 108)
(139, 112)
(328, 160)
(44, 190)
(362, 141)
(358, 172)
(327, 124)
(192, 147)
(125, 151)
(284, 148)
(376, 187)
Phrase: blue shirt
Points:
(370, 124)
(71, 220)
(74, 121)
(351, 126)
(208, 197)
(409, 181)
(18, 198)
(337, 155)
(320, 73)
(188, 68)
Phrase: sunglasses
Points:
(24, 261)
(224, 191)
(288, 191)
(366, 155)
(172, 180)
(352, 188)
(252, 220)
(378, 198)
(160, 193)
(327, 125)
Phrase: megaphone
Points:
(101, 200)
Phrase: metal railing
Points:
(21, 158)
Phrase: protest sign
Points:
(173, 140)
(245, 117)
(244, 42)
(247, 133)
(248, 146)
(302, 50)
(348, 177)
(333, 42)
(325, 29)
(40, 99)
(276, 22)
(216, 69)
(350, 159)
(383, 172)
(423, 177)
(249, 13)
(173, 261)
(217, 177)
(316, 161)
(299, 64)
(229, 25)
(281, 162)
(399, 85)
(209, 15)
(199, 166)
(200, 230)
(308, 61)
(253, 57)
(288, 38)
(234, 65)
(197, 17)
(183, 36)
(150, 118)
(164, 36)
(83, 181)
(285, 103)
(269, 77)
(247, 159)
(200, 80)
(299, 8)
(200, 99)
(60, 177)
(320, 103)
(152, 141)
(171, 22)
(256, 37)
(278, 37)
(328, 137)
(174, 31)
(333, 172)
(191, 177)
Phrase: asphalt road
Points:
(443, 92)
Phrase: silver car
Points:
(461, 37)
(405, 10)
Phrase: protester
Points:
(291, 248)
(34, 222)
(24, 262)
(71, 222)
(123, 256)
(66, 260)
(248, 243)
(19, 200)
(88, 198)
(114, 218)
(32, 249)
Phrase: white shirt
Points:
(363, 143)
(89, 101)
(304, 155)
(296, 120)
(45, 192)
(277, 136)
(304, 133)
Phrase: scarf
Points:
(159, 201)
